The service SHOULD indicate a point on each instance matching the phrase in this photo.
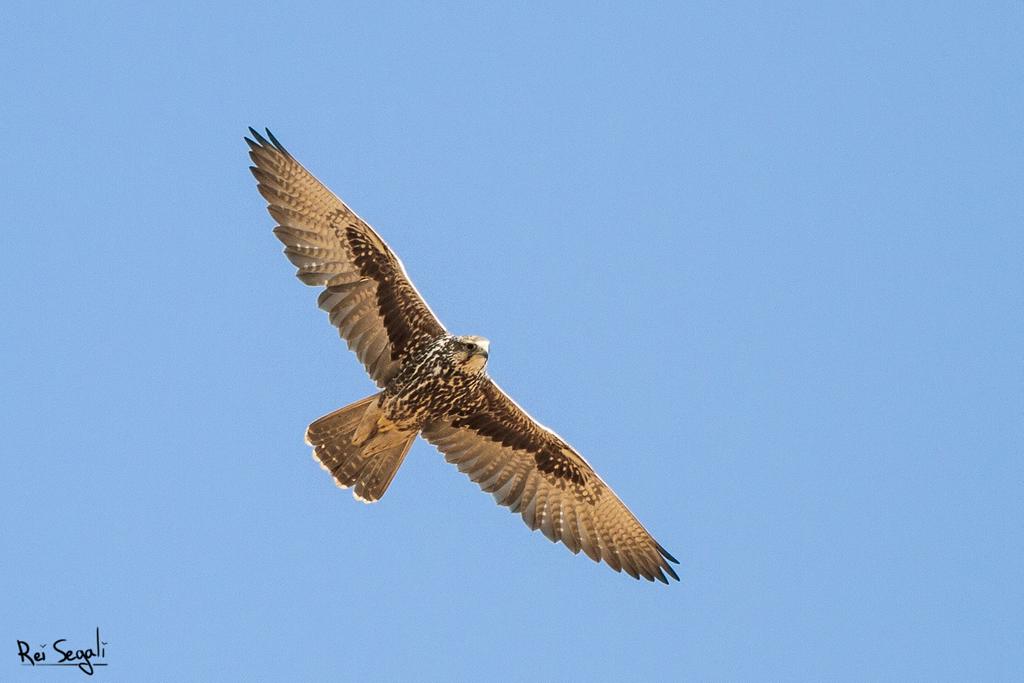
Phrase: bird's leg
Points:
(369, 425)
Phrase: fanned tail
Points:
(360, 448)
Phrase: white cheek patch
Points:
(476, 363)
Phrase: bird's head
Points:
(469, 352)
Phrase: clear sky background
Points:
(760, 263)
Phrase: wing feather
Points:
(367, 294)
(532, 471)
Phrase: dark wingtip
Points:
(667, 555)
(262, 141)
(258, 141)
(671, 572)
(275, 142)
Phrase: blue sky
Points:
(760, 263)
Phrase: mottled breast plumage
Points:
(432, 385)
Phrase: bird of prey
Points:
(432, 383)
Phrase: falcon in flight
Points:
(432, 383)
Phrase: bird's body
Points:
(441, 380)
(433, 384)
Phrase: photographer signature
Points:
(83, 658)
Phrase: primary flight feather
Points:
(432, 383)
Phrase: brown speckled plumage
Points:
(432, 383)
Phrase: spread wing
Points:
(528, 468)
(367, 294)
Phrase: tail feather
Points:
(359, 448)
(376, 477)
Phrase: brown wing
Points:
(367, 294)
(528, 468)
